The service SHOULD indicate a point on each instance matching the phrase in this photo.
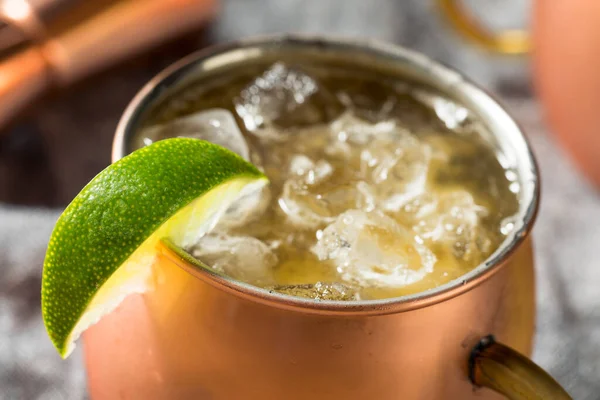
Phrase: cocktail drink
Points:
(388, 239)
(378, 188)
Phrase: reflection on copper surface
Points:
(15, 9)
(117, 31)
(66, 40)
(20, 13)
(190, 340)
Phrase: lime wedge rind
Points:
(103, 245)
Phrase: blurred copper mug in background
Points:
(54, 43)
(199, 335)
(565, 45)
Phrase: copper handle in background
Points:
(86, 37)
(506, 371)
(117, 30)
(515, 42)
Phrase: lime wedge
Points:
(104, 244)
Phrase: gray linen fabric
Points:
(566, 235)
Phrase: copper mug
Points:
(199, 335)
(565, 52)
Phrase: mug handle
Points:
(514, 42)
(510, 373)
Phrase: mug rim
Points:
(443, 75)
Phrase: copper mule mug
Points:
(203, 336)
(565, 51)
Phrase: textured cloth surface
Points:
(566, 234)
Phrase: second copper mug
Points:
(202, 336)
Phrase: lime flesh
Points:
(103, 245)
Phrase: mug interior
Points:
(501, 131)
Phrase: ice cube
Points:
(450, 113)
(313, 207)
(215, 125)
(338, 198)
(397, 167)
(313, 173)
(302, 207)
(452, 209)
(339, 149)
(367, 106)
(300, 164)
(390, 159)
(349, 128)
(241, 257)
(249, 206)
(310, 199)
(456, 223)
(349, 133)
(371, 249)
(417, 208)
(319, 291)
(281, 96)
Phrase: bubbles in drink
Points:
(216, 125)
(507, 225)
(319, 291)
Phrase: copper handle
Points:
(515, 42)
(507, 371)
